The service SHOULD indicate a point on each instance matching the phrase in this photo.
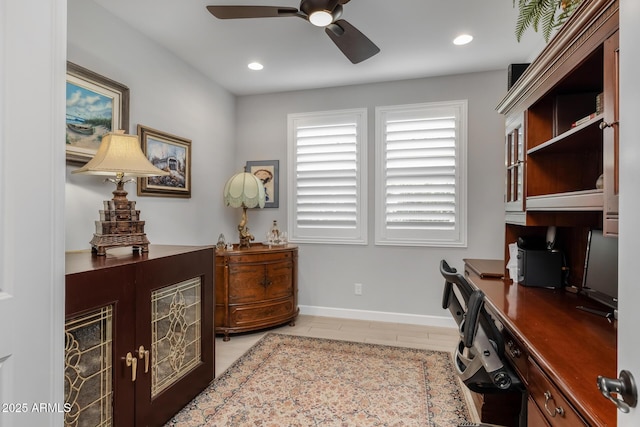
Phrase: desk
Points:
(555, 342)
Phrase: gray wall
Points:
(400, 283)
(403, 280)
(167, 95)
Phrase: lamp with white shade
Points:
(244, 190)
(119, 225)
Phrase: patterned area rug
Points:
(287, 380)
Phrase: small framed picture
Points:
(95, 105)
(170, 153)
(267, 171)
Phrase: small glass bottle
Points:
(222, 244)
(275, 233)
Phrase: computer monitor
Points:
(601, 269)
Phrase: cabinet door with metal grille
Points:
(99, 331)
(174, 328)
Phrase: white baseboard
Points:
(379, 316)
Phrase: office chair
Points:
(479, 356)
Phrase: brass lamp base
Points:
(245, 240)
(243, 230)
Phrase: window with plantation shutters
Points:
(327, 169)
(420, 174)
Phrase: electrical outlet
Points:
(357, 288)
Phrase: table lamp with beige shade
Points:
(119, 225)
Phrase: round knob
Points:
(603, 125)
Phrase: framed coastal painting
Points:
(170, 153)
(267, 171)
(95, 105)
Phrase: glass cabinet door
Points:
(515, 164)
(174, 327)
(99, 331)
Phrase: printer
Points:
(539, 266)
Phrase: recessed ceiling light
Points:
(462, 39)
(256, 66)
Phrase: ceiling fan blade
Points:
(237, 12)
(356, 46)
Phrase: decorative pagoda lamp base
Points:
(119, 224)
(99, 244)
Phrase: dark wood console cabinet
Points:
(256, 288)
(138, 334)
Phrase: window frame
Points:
(416, 237)
(358, 236)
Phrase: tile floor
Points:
(396, 334)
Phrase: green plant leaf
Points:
(549, 19)
(545, 15)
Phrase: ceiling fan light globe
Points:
(321, 18)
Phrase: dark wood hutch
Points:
(561, 171)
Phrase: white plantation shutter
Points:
(327, 163)
(420, 171)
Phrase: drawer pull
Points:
(556, 411)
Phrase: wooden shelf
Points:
(586, 200)
(569, 139)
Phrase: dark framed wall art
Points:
(95, 105)
(170, 153)
(267, 171)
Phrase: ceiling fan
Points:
(322, 13)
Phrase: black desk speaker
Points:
(514, 72)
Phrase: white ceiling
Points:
(415, 38)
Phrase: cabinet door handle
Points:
(133, 363)
(144, 354)
(603, 125)
(556, 411)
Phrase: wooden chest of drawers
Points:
(256, 288)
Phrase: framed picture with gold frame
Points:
(95, 105)
(170, 153)
(267, 171)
